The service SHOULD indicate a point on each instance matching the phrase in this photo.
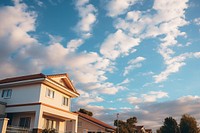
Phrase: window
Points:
(50, 93)
(25, 122)
(65, 101)
(6, 93)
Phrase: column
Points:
(74, 126)
(38, 123)
(3, 124)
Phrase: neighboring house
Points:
(88, 124)
(39, 102)
(140, 129)
(148, 130)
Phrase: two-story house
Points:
(39, 101)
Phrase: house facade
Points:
(39, 102)
(88, 124)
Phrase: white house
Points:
(39, 101)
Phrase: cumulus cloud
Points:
(86, 98)
(197, 21)
(132, 64)
(16, 22)
(87, 13)
(118, 44)
(73, 44)
(151, 115)
(118, 7)
(152, 96)
(173, 65)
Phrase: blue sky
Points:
(129, 57)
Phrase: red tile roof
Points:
(96, 121)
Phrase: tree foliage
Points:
(188, 124)
(126, 127)
(84, 111)
(169, 126)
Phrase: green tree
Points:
(170, 126)
(188, 124)
(84, 111)
(126, 127)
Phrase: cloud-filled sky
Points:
(133, 57)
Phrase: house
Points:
(148, 130)
(88, 124)
(39, 102)
(140, 129)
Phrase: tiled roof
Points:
(96, 121)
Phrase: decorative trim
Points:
(18, 105)
(40, 103)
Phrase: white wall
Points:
(22, 94)
(56, 101)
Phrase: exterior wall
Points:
(56, 101)
(22, 94)
(17, 116)
(2, 108)
(88, 126)
(55, 113)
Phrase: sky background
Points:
(133, 57)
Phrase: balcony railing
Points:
(13, 129)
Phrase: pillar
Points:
(3, 124)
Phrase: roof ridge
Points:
(57, 75)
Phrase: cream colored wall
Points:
(59, 80)
(56, 101)
(22, 94)
(59, 113)
(88, 126)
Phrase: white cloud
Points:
(132, 64)
(197, 21)
(16, 22)
(73, 44)
(126, 81)
(152, 96)
(118, 7)
(118, 44)
(169, 16)
(151, 115)
(147, 73)
(54, 39)
(87, 13)
(173, 65)
(39, 3)
(86, 98)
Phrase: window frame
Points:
(50, 93)
(26, 123)
(65, 101)
(6, 93)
